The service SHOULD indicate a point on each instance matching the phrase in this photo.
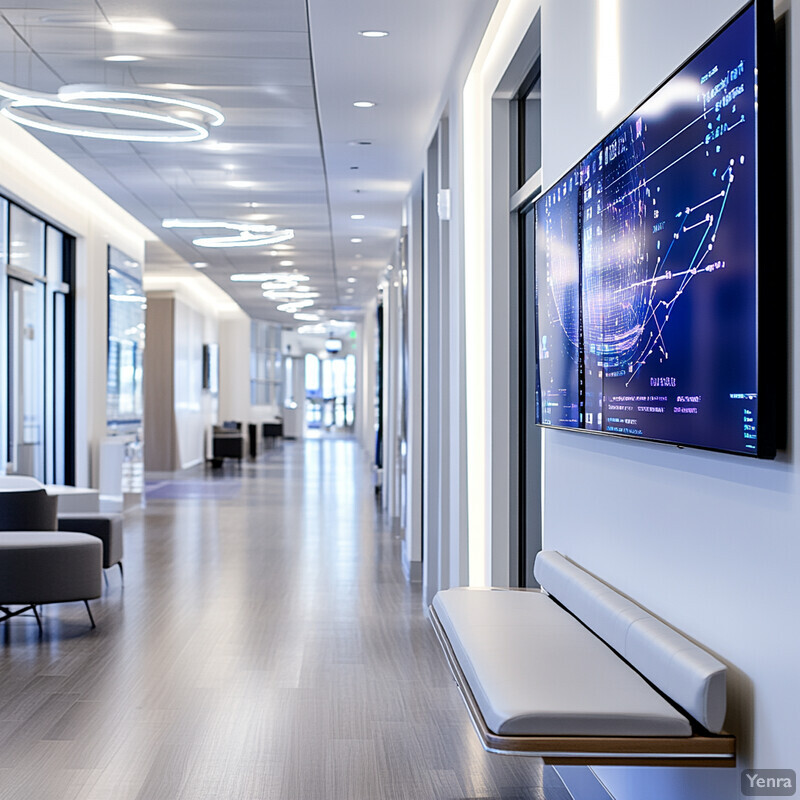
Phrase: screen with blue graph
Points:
(647, 264)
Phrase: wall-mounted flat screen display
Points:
(646, 259)
(558, 302)
(211, 368)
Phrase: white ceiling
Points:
(291, 130)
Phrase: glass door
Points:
(58, 453)
(26, 389)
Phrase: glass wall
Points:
(330, 391)
(313, 391)
(266, 364)
(37, 430)
(26, 250)
(530, 118)
(126, 340)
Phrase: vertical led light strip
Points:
(608, 71)
(477, 343)
(509, 22)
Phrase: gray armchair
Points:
(25, 505)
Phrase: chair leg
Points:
(38, 620)
(89, 612)
(121, 573)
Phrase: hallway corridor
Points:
(265, 645)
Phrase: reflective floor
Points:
(265, 645)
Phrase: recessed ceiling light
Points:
(373, 34)
(351, 280)
(286, 263)
(240, 184)
(364, 104)
(258, 217)
(124, 58)
(357, 216)
(356, 240)
(200, 264)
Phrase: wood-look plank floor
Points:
(265, 645)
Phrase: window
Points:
(530, 119)
(312, 375)
(126, 341)
(27, 241)
(327, 379)
(266, 364)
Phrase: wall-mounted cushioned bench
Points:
(579, 674)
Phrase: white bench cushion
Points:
(535, 670)
(686, 673)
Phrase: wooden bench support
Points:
(698, 750)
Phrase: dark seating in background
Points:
(234, 439)
(272, 430)
(228, 442)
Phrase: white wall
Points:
(413, 370)
(186, 413)
(487, 297)
(445, 442)
(234, 372)
(234, 367)
(39, 180)
(195, 409)
(708, 542)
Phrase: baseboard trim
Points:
(411, 569)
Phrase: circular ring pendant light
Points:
(181, 119)
(247, 234)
